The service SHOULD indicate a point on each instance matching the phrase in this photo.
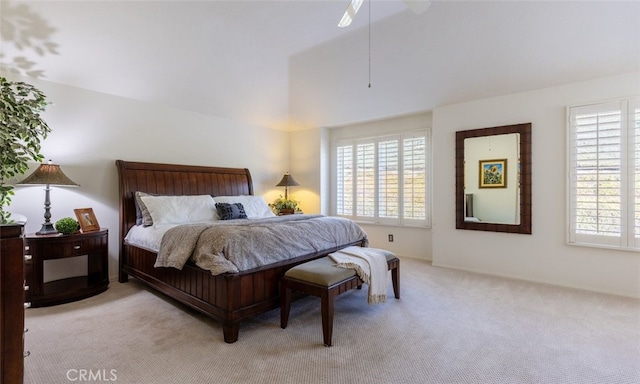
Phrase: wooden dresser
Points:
(12, 304)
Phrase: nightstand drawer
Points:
(82, 247)
(65, 246)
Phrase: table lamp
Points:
(48, 174)
(286, 182)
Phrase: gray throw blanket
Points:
(239, 245)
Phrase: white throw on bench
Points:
(370, 264)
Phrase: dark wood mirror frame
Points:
(525, 179)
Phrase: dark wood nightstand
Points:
(93, 245)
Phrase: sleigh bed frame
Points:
(230, 297)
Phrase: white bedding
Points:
(148, 238)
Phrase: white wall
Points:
(543, 256)
(91, 130)
(305, 167)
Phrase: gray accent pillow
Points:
(143, 217)
(228, 211)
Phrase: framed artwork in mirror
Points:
(493, 173)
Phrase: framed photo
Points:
(493, 173)
(87, 220)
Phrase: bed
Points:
(228, 297)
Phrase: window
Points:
(383, 179)
(604, 174)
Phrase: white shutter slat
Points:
(365, 199)
(414, 204)
(344, 182)
(388, 191)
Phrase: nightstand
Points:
(93, 245)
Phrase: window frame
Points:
(376, 219)
(629, 138)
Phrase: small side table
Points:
(95, 245)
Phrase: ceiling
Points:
(232, 59)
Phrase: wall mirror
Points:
(493, 179)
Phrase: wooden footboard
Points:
(229, 298)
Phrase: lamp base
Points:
(47, 229)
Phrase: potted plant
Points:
(67, 226)
(22, 131)
(282, 206)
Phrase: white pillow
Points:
(180, 209)
(254, 206)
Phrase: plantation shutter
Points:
(365, 176)
(604, 179)
(388, 179)
(382, 179)
(344, 180)
(634, 125)
(415, 179)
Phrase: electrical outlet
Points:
(391, 238)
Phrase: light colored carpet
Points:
(449, 327)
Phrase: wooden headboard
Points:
(174, 179)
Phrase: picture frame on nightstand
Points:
(87, 219)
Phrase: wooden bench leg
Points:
(395, 280)
(327, 316)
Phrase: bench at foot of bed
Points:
(322, 279)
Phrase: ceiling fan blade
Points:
(417, 6)
(350, 13)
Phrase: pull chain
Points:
(369, 43)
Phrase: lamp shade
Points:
(287, 181)
(48, 174)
